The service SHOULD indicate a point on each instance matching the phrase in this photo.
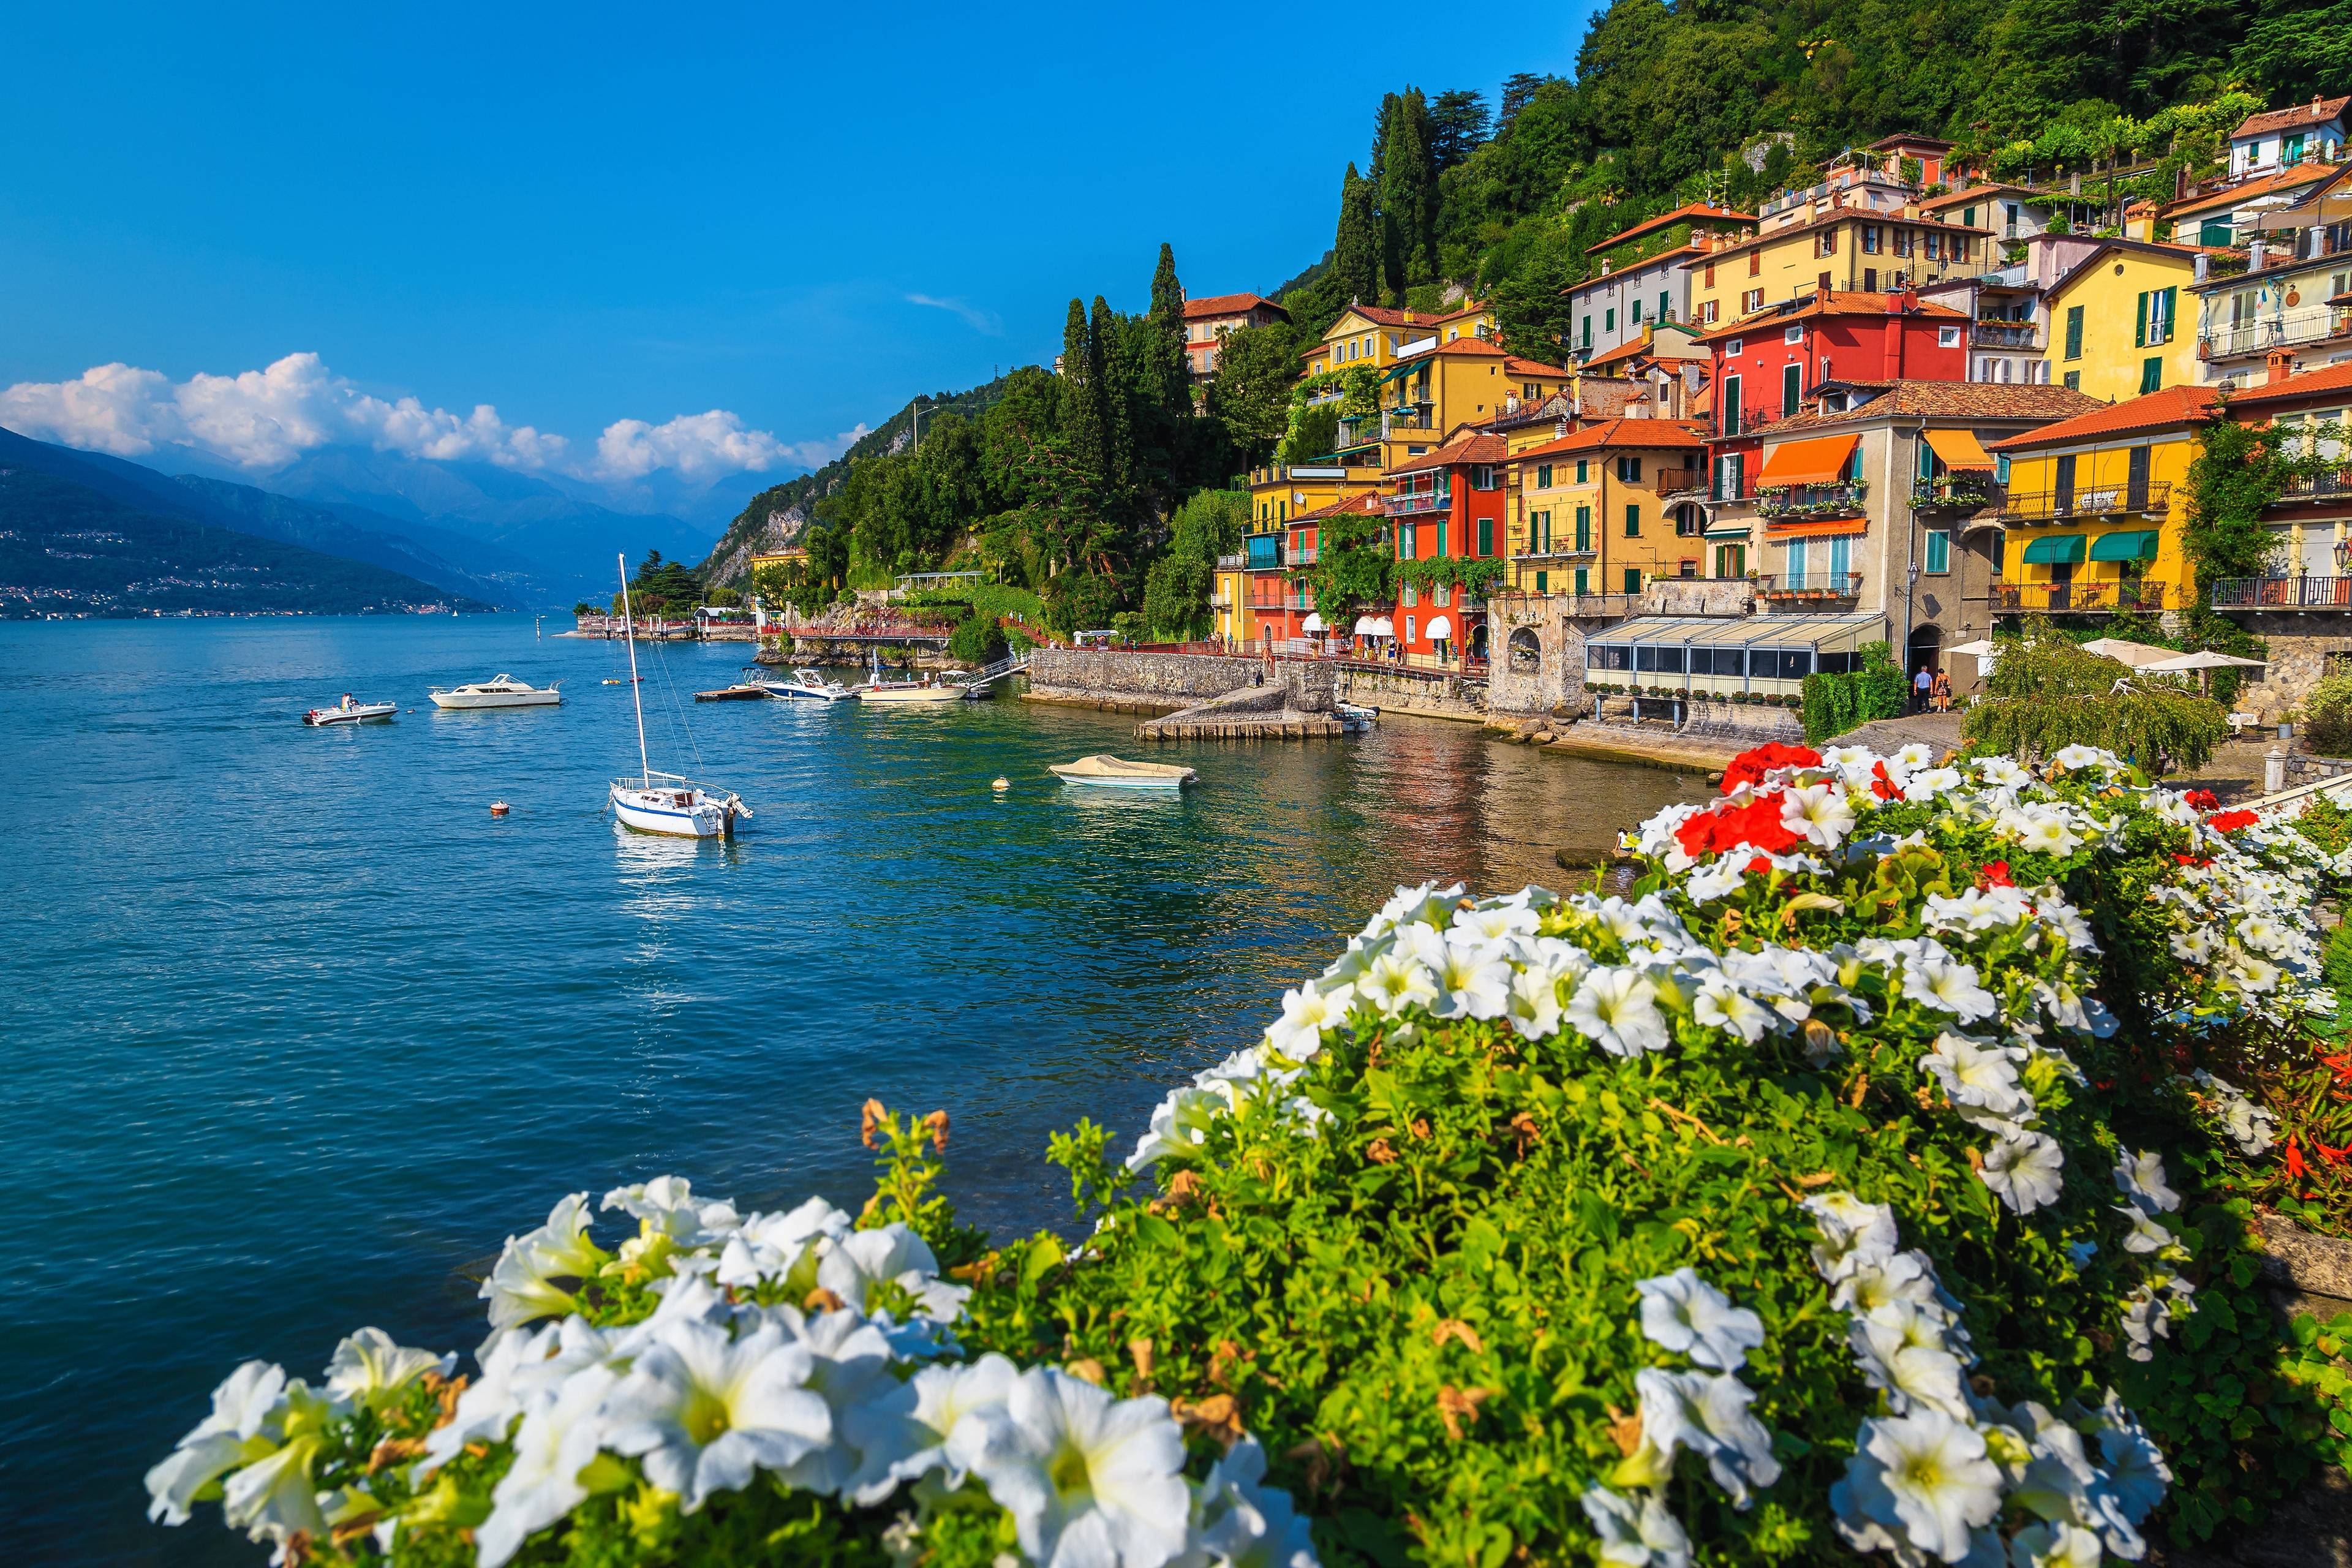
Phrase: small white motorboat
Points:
(1116, 772)
(666, 802)
(806, 685)
(506, 691)
(351, 712)
(913, 691)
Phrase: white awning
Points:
(1312, 624)
(1439, 628)
(1375, 626)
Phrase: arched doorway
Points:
(1526, 651)
(1478, 630)
(1927, 653)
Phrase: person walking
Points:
(1940, 694)
(1920, 685)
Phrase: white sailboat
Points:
(665, 802)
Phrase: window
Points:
(1710, 274)
(1756, 264)
(1687, 525)
(1486, 536)
(1582, 575)
(1733, 418)
(1411, 626)
(1634, 582)
(1666, 306)
(1794, 333)
(1940, 551)
(1825, 242)
(1934, 246)
(1821, 283)
(1442, 595)
(1870, 280)
(1609, 320)
(1635, 317)
(1408, 542)
(1583, 472)
(2151, 373)
(1412, 596)
(2291, 150)
(1969, 217)
(1730, 473)
(1731, 349)
(1632, 519)
(2156, 314)
(1543, 476)
(1583, 531)
(1541, 586)
(1751, 301)
(1441, 536)
(2073, 381)
(1485, 477)
(1707, 313)
(1873, 236)
(1793, 384)
(1902, 242)
(1588, 331)
(1947, 337)
(1629, 470)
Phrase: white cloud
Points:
(985, 323)
(264, 419)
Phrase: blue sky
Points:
(588, 214)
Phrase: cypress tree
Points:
(1113, 398)
(1408, 194)
(1082, 388)
(1168, 294)
(1384, 130)
(1355, 247)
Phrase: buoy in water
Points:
(497, 809)
(1001, 784)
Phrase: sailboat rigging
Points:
(658, 801)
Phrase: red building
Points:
(1782, 362)
(1446, 504)
(1280, 608)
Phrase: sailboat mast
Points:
(629, 635)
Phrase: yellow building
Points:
(2095, 508)
(1283, 491)
(2115, 331)
(1380, 335)
(1229, 600)
(1836, 250)
(1588, 515)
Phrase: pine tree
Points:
(1170, 372)
(1356, 256)
(1458, 124)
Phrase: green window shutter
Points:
(1632, 519)
(1632, 579)
(1580, 579)
(2171, 303)
(1939, 550)
(1486, 536)
(1583, 528)
(2074, 332)
(2151, 373)
(1581, 473)
(2140, 330)
(1540, 586)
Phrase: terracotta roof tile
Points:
(1230, 305)
(2316, 383)
(1975, 195)
(1479, 446)
(2317, 112)
(1690, 212)
(2234, 196)
(1949, 400)
(2174, 405)
(1514, 366)
(1639, 434)
(1370, 501)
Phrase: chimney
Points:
(2281, 365)
(2258, 255)
(2204, 265)
(2139, 221)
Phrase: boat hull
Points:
(660, 811)
(787, 691)
(1162, 787)
(910, 694)
(369, 714)
(467, 700)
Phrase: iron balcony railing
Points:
(1395, 419)
(2085, 598)
(1964, 492)
(2324, 485)
(2105, 500)
(1671, 479)
(1812, 500)
(2302, 593)
(2005, 335)
(2285, 329)
(1811, 585)
(1551, 552)
(1305, 555)
(1414, 501)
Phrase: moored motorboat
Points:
(505, 691)
(351, 712)
(806, 685)
(665, 802)
(1108, 771)
(912, 691)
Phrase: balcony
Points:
(1232, 563)
(1814, 588)
(2329, 484)
(2284, 331)
(1306, 555)
(1955, 492)
(2023, 335)
(1421, 419)
(2282, 594)
(1547, 552)
(1414, 502)
(2089, 598)
(1793, 501)
(1671, 480)
(2044, 506)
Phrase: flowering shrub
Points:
(1858, 1184)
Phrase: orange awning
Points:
(1958, 448)
(1816, 528)
(1818, 461)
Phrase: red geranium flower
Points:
(1994, 874)
(1749, 767)
(2203, 799)
(2231, 821)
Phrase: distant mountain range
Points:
(96, 542)
(473, 531)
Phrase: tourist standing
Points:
(1920, 685)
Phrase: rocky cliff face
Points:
(731, 562)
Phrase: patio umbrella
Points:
(2203, 658)
(1312, 624)
(2138, 655)
(1980, 648)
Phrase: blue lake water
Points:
(292, 1030)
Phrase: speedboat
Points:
(1114, 772)
(506, 691)
(665, 802)
(349, 712)
(913, 691)
(806, 685)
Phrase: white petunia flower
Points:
(1853, 1234)
(2025, 1171)
(1936, 981)
(1975, 1074)
(553, 1445)
(1244, 1523)
(521, 1286)
(1636, 1534)
(1428, 904)
(1819, 814)
(2072, 757)
(891, 1253)
(2040, 827)
(2004, 772)
(273, 1496)
(368, 1368)
(666, 1209)
(1473, 978)
(775, 1245)
(2060, 1545)
(928, 1425)
(850, 1360)
(1501, 923)
(1929, 783)
(2141, 1180)
(1686, 1314)
(1180, 1123)
(1617, 1009)
(2137, 1473)
(243, 1408)
(1394, 982)
(1720, 1005)
(1307, 1013)
(1534, 1009)
(1924, 1480)
(703, 1413)
(1090, 1482)
(1904, 1350)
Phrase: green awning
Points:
(2128, 545)
(1404, 367)
(2054, 549)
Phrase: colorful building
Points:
(1445, 505)
(1640, 279)
(2283, 137)
(1229, 600)
(2311, 524)
(1282, 609)
(1427, 394)
(1836, 249)
(2294, 293)
(1771, 365)
(2115, 329)
(1206, 322)
(1589, 514)
(1378, 335)
(2095, 510)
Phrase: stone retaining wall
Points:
(2299, 646)
(1127, 681)
(1431, 695)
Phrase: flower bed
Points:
(1866, 1181)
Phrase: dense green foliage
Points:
(1356, 569)
(1176, 593)
(1836, 702)
(2325, 724)
(2046, 694)
(67, 550)
(665, 588)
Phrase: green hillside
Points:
(67, 550)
